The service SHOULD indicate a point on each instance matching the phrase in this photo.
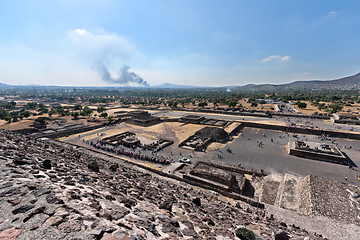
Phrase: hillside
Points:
(351, 82)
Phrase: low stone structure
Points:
(130, 139)
(63, 129)
(316, 151)
(142, 118)
(345, 119)
(234, 181)
(204, 137)
(160, 144)
(215, 122)
(192, 119)
(125, 138)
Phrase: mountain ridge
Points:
(349, 82)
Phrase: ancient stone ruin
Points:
(142, 118)
(204, 137)
(197, 119)
(316, 151)
(125, 138)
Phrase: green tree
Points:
(273, 96)
(44, 110)
(202, 104)
(335, 107)
(32, 105)
(42, 120)
(101, 109)
(232, 103)
(103, 115)
(77, 107)
(26, 114)
(301, 105)
(75, 114)
(8, 119)
(262, 101)
(3, 113)
(110, 118)
(254, 104)
(87, 110)
(321, 106)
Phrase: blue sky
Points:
(200, 43)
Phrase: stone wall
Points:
(66, 132)
(304, 201)
(316, 154)
(258, 173)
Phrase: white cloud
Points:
(332, 13)
(286, 58)
(302, 74)
(80, 31)
(104, 47)
(270, 58)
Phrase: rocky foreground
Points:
(51, 190)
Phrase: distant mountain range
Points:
(169, 85)
(348, 83)
(352, 82)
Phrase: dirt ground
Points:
(183, 131)
(310, 109)
(28, 122)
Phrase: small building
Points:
(316, 151)
(142, 118)
(345, 119)
(192, 119)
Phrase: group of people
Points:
(132, 154)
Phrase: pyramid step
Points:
(288, 194)
(270, 188)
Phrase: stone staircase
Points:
(288, 192)
(280, 191)
(268, 189)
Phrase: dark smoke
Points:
(125, 76)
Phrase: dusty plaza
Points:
(272, 156)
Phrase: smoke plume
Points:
(125, 76)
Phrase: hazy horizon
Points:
(196, 43)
